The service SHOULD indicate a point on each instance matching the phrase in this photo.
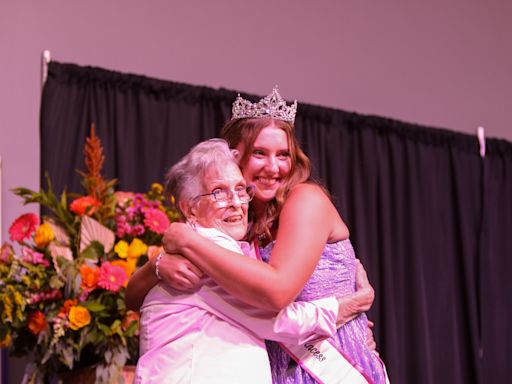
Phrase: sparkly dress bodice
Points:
(333, 276)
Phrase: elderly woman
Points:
(208, 336)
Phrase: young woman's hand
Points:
(176, 236)
(350, 306)
(178, 272)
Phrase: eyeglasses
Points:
(223, 196)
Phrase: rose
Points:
(78, 317)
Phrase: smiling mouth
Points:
(234, 219)
(269, 182)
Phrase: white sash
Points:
(325, 363)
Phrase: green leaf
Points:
(93, 306)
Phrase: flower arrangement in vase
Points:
(63, 276)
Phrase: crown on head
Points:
(273, 106)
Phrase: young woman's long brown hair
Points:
(246, 131)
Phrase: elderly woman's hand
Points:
(350, 306)
(178, 272)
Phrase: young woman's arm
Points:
(177, 272)
(305, 225)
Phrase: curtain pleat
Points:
(430, 220)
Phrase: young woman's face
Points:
(269, 163)
(229, 217)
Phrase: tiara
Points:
(273, 106)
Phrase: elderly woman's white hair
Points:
(184, 179)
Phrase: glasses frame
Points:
(249, 189)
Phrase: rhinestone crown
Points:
(273, 106)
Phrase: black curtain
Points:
(430, 219)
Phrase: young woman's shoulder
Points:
(310, 201)
(310, 190)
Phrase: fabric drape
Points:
(429, 218)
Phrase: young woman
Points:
(207, 336)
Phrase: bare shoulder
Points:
(309, 191)
(310, 201)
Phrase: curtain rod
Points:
(480, 132)
(45, 60)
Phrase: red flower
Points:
(156, 220)
(84, 204)
(23, 227)
(36, 323)
(111, 277)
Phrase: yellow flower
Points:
(121, 249)
(137, 248)
(6, 342)
(44, 235)
(157, 188)
(78, 317)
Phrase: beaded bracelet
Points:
(157, 266)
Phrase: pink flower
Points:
(33, 257)
(137, 230)
(122, 198)
(156, 220)
(111, 277)
(23, 227)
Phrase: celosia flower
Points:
(23, 227)
(156, 220)
(83, 205)
(137, 248)
(89, 276)
(36, 322)
(111, 277)
(78, 317)
(33, 257)
(121, 249)
(44, 235)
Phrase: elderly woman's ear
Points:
(189, 210)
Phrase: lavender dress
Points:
(333, 276)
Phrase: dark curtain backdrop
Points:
(430, 219)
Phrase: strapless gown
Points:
(333, 276)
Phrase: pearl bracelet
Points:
(157, 266)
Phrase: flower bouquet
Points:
(63, 277)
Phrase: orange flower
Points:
(89, 277)
(67, 306)
(130, 317)
(36, 323)
(83, 205)
(128, 266)
(78, 317)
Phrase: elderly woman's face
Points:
(231, 217)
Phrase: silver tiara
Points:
(273, 106)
